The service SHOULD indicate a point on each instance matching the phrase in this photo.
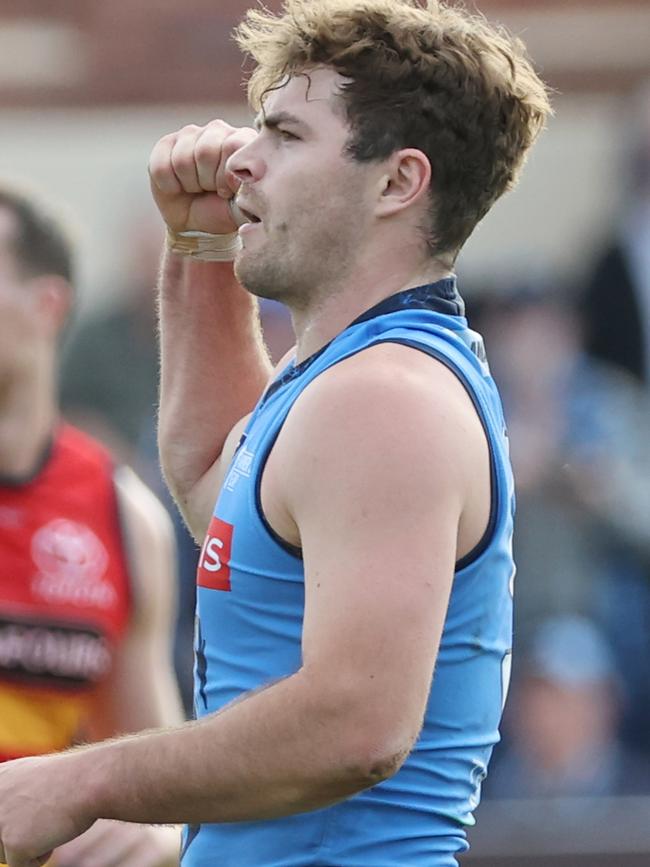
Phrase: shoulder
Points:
(389, 408)
(406, 390)
(141, 510)
(148, 534)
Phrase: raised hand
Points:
(189, 180)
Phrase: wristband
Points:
(204, 246)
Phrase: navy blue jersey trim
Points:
(439, 297)
(277, 538)
(486, 538)
(290, 374)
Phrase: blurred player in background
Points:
(362, 534)
(86, 577)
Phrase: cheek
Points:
(323, 197)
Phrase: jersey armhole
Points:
(488, 534)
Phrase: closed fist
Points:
(189, 180)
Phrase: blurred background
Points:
(558, 281)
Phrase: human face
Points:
(28, 324)
(17, 322)
(312, 201)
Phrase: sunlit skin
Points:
(310, 257)
(298, 252)
(326, 731)
(374, 211)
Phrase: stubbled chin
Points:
(260, 274)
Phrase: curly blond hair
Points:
(427, 76)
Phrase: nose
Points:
(246, 164)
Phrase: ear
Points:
(405, 181)
(55, 298)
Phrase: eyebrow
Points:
(273, 120)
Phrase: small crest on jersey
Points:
(241, 467)
(475, 344)
(214, 563)
(71, 562)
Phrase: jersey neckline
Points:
(442, 297)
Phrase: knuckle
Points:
(163, 178)
(159, 159)
(158, 169)
(206, 151)
(218, 124)
(243, 134)
(164, 143)
(182, 160)
(238, 140)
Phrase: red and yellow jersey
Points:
(64, 595)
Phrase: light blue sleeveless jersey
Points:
(249, 623)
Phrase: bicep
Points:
(378, 573)
(377, 502)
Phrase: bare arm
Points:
(214, 363)
(392, 517)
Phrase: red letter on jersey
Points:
(214, 562)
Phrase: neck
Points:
(372, 280)
(28, 416)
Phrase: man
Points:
(86, 583)
(361, 536)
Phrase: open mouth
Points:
(250, 218)
(242, 215)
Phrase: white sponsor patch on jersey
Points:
(71, 562)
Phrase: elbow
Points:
(365, 740)
(347, 773)
(384, 764)
(371, 773)
(374, 758)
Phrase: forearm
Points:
(276, 753)
(214, 364)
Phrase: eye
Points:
(286, 135)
